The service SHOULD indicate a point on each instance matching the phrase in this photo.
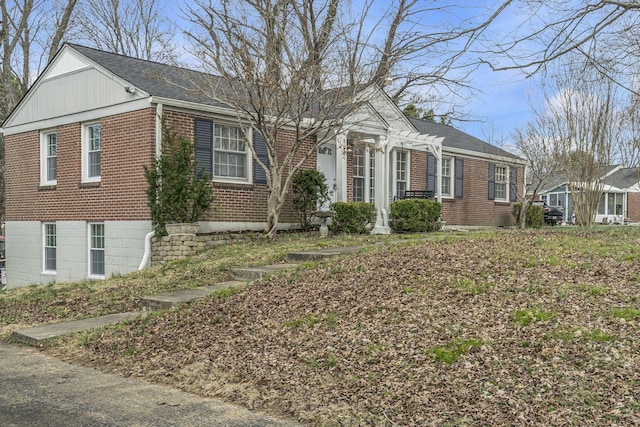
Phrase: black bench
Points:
(418, 194)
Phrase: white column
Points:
(382, 187)
(341, 167)
(438, 154)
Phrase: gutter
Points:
(483, 156)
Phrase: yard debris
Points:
(533, 322)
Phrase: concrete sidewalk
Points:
(37, 390)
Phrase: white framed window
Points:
(447, 174)
(401, 172)
(92, 152)
(358, 174)
(49, 245)
(615, 203)
(96, 250)
(502, 183)
(231, 159)
(49, 158)
(602, 207)
(364, 174)
(372, 175)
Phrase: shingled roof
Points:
(181, 84)
(455, 138)
(154, 78)
(623, 178)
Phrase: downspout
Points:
(147, 250)
(147, 238)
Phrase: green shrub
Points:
(535, 215)
(415, 215)
(310, 190)
(353, 217)
(175, 192)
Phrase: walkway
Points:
(37, 390)
(241, 277)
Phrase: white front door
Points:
(327, 165)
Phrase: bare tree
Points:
(272, 57)
(298, 66)
(538, 144)
(584, 121)
(31, 33)
(628, 149)
(138, 28)
(603, 31)
(424, 50)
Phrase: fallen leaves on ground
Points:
(522, 328)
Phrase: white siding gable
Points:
(67, 62)
(387, 109)
(366, 117)
(70, 85)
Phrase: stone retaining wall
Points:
(182, 246)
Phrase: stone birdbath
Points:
(323, 216)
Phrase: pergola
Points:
(384, 142)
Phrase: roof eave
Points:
(470, 153)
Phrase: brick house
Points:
(77, 142)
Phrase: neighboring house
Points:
(78, 141)
(620, 201)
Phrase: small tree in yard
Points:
(538, 144)
(310, 191)
(175, 191)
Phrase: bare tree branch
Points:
(138, 28)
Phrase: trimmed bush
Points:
(535, 215)
(415, 215)
(310, 190)
(353, 217)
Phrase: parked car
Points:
(552, 214)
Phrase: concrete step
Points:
(257, 273)
(167, 300)
(319, 254)
(39, 334)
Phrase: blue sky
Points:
(504, 102)
(502, 106)
(501, 103)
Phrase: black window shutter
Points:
(203, 136)
(492, 181)
(431, 173)
(260, 146)
(459, 178)
(513, 192)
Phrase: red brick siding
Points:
(633, 207)
(246, 202)
(127, 144)
(475, 208)
(418, 170)
(349, 182)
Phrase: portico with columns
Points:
(385, 163)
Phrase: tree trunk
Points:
(522, 218)
(274, 205)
